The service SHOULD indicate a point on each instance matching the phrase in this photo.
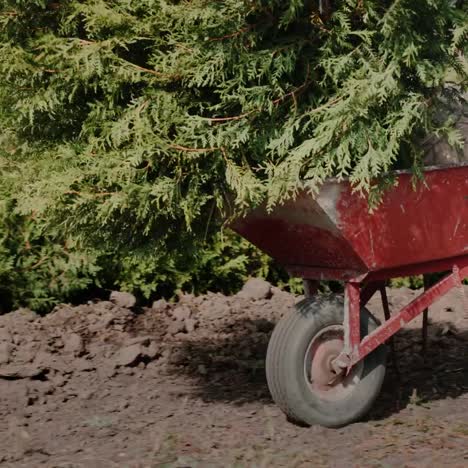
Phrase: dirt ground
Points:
(108, 384)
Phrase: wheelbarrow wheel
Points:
(299, 374)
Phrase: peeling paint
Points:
(456, 227)
(328, 201)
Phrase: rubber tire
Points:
(285, 366)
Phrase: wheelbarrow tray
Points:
(333, 235)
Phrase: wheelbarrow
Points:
(326, 361)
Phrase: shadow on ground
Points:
(230, 367)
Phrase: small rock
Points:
(202, 369)
(143, 340)
(73, 344)
(5, 335)
(181, 336)
(154, 366)
(86, 395)
(58, 380)
(264, 326)
(47, 388)
(31, 399)
(123, 299)
(176, 357)
(246, 353)
(287, 299)
(161, 304)
(250, 326)
(152, 351)
(103, 306)
(129, 355)
(108, 352)
(106, 321)
(45, 360)
(123, 405)
(214, 309)
(5, 352)
(255, 289)
(20, 372)
(84, 365)
(17, 339)
(176, 327)
(106, 370)
(28, 314)
(60, 314)
(190, 325)
(182, 313)
(27, 352)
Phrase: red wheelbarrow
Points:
(326, 362)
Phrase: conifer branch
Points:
(233, 118)
(38, 263)
(293, 94)
(94, 195)
(232, 35)
(86, 42)
(152, 72)
(193, 150)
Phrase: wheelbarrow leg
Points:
(386, 308)
(396, 367)
(310, 287)
(425, 323)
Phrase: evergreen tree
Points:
(134, 128)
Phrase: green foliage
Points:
(130, 130)
(412, 282)
(223, 264)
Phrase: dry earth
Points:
(108, 384)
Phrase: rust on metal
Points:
(352, 329)
(408, 313)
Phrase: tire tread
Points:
(322, 309)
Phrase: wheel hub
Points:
(323, 377)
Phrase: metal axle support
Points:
(387, 314)
(310, 287)
(356, 296)
(425, 323)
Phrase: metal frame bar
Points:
(425, 323)
(355, 349)
(433, 266)
(369, 290)
(352, 316)
(321, 273)
(310, 287)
